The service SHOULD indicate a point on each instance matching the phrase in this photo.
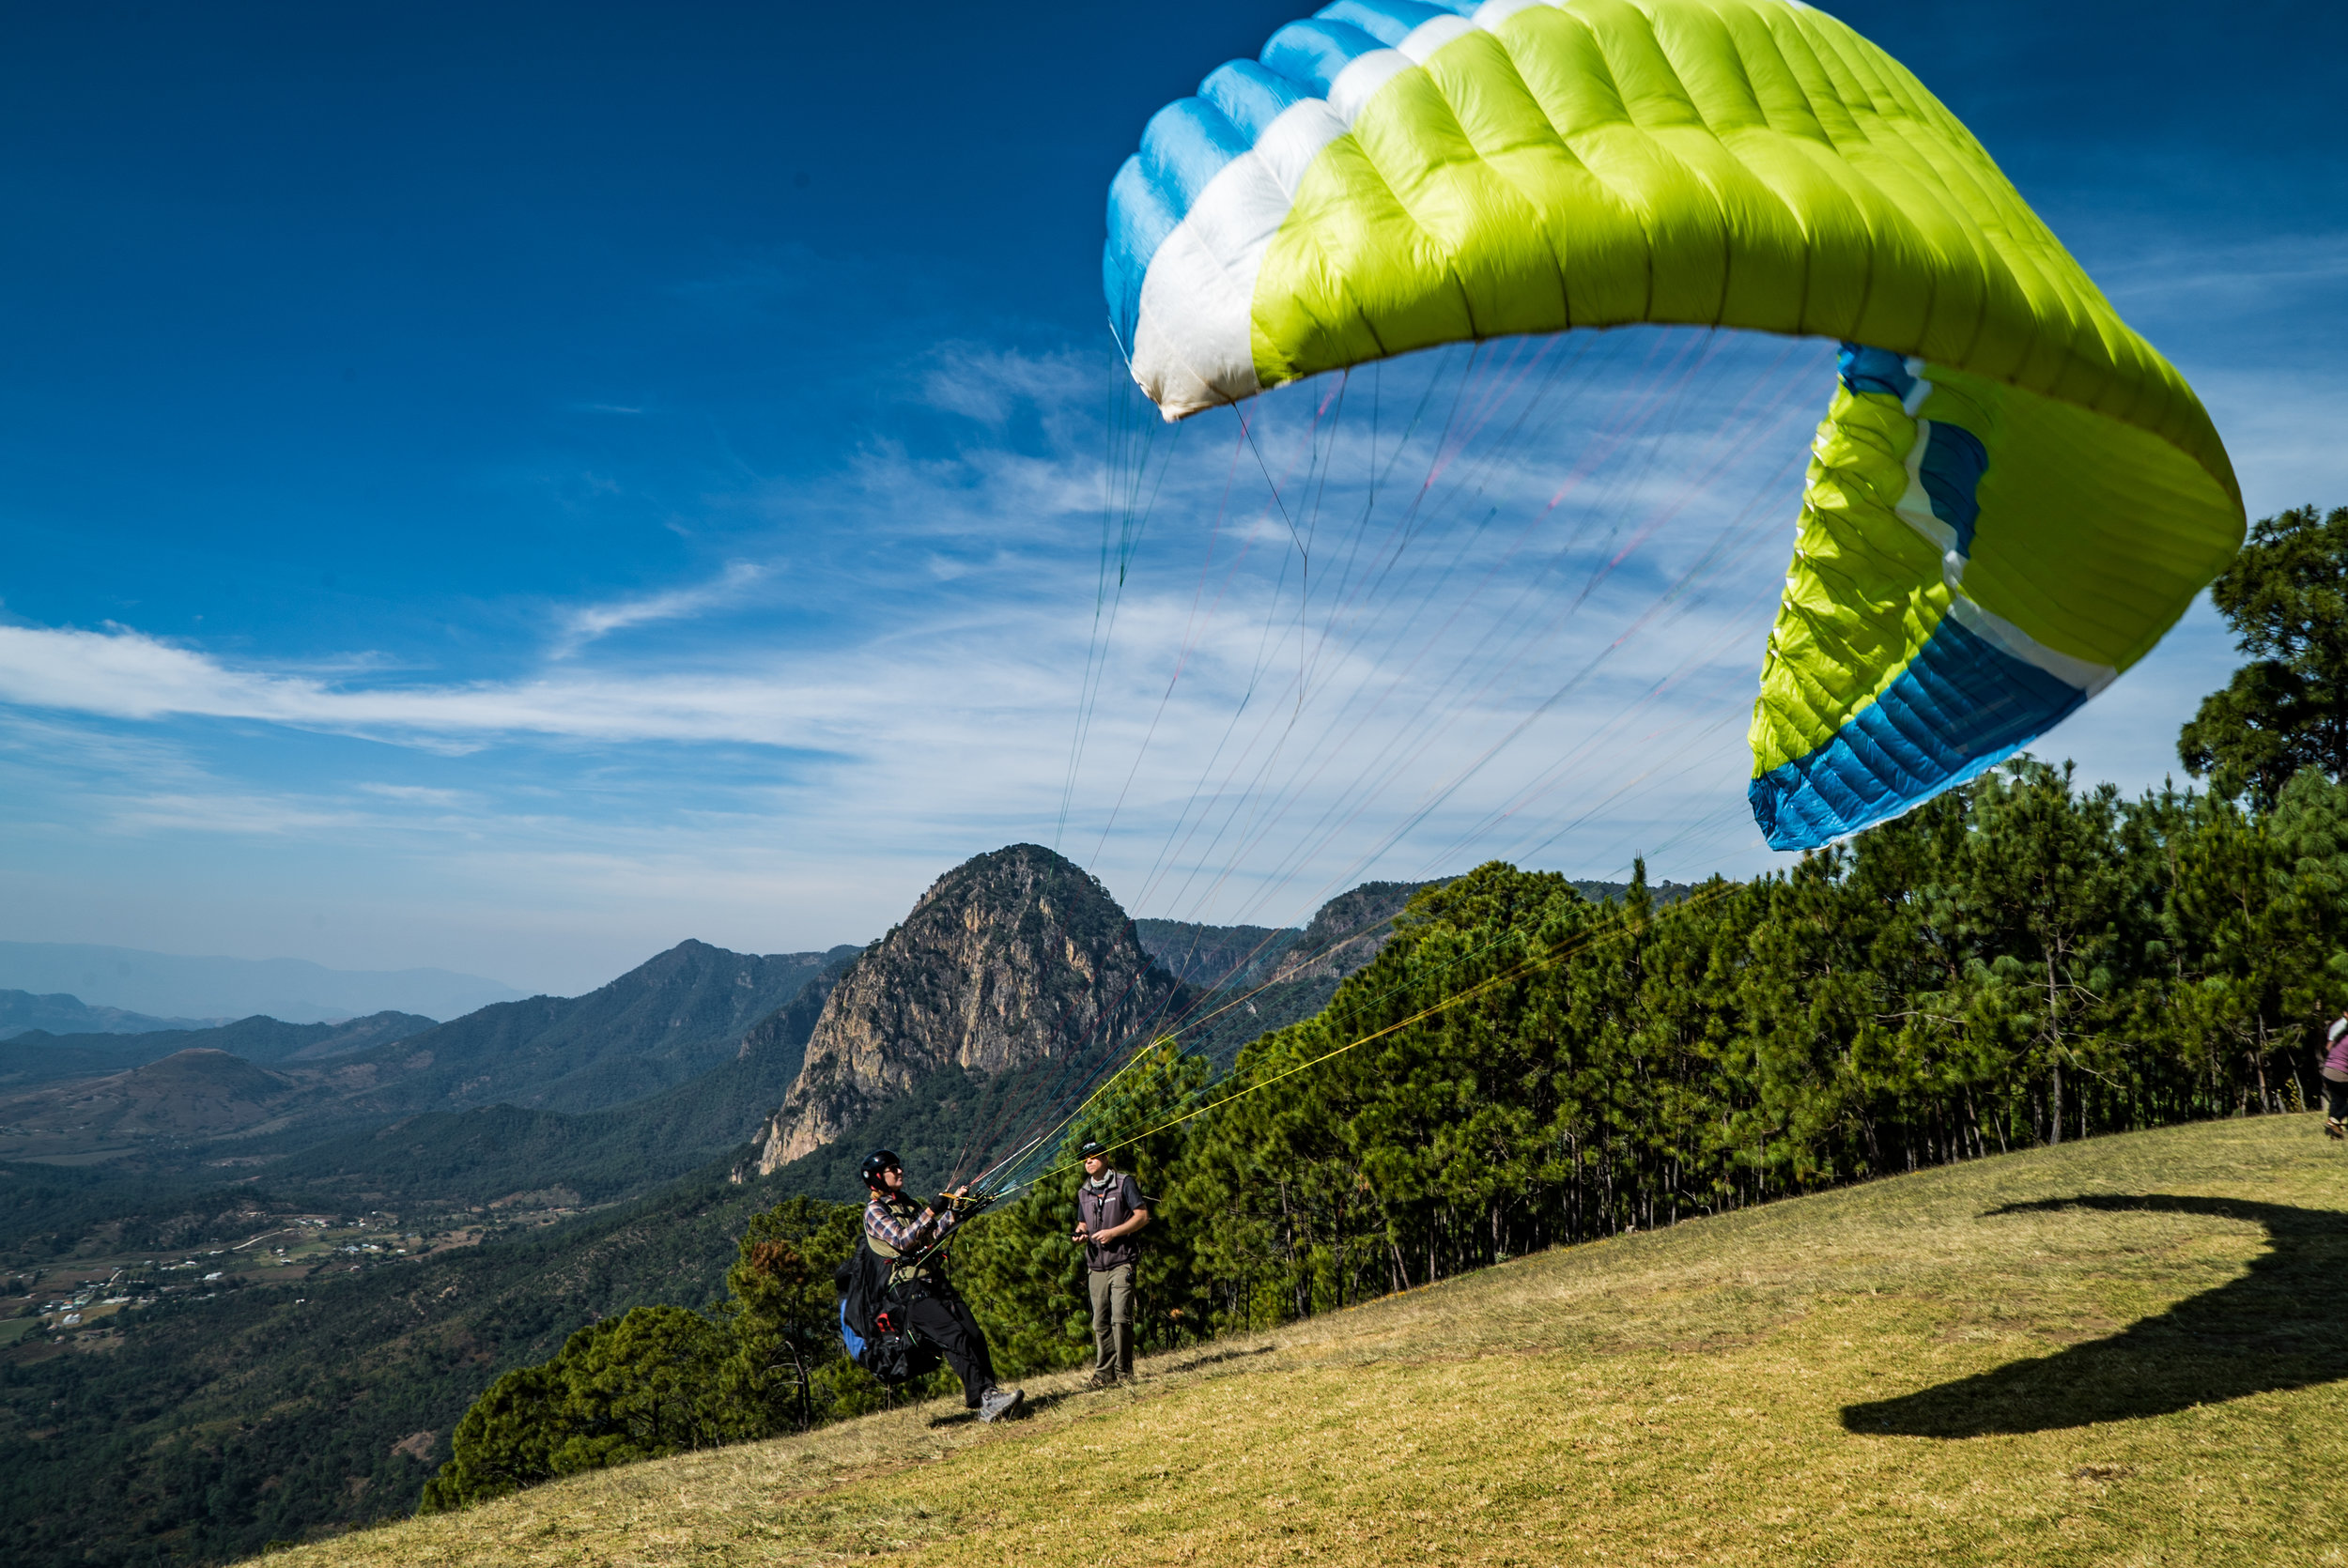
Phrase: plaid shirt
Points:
(908, 1235)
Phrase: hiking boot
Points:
(1000, 1402)
(1101, 1378)
(2333, 1128)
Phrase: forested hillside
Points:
(1214, 956)
(2016, 964)
(663, 1024)
(267, 1410)
(1511, 1064)
(2019, 964)
(1249, 981)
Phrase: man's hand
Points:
(1082, 1230)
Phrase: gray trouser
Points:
(1113, 1320)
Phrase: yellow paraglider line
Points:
(1638, 413)
(1186, 1022)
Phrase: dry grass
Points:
(1911, 1372)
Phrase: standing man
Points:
(912, 1239)
(1109, 1210)
(2336, 1079)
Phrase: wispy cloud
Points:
(1474, 667)
(762, 701)
(2229, 275)
(418, 795)
(586, 624)
(989, 384)
(1252, 734)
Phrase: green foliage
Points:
(2016, 962)
(662, 1379)
(2286, 597)
(782, 1309)
(635, 1387)
(1022, 1273)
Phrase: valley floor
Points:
(2118, 1352)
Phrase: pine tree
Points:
(2286, 597)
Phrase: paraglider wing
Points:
(2012, 496)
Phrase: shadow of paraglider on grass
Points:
(2282, 1325)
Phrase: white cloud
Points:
(1474, 673)
(417, 794)
(988, 384)
(763, 701)
(586, 624)
(2215, 278)
(2282, 427)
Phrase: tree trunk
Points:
(2054, 1028)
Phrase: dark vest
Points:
(1105, 1210)
(931, 1268)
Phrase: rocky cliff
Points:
(1348, 931)
(1012, 959)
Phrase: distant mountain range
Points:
(492, 1152)
(174, 985)
(62, 1014)
(1017, 975)
(37, 1056)
(1015, 970)
(697, 1043)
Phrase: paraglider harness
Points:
(875, 1290)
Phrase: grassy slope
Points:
(1908, 1372)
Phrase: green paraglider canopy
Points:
(2012, 496)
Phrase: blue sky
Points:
(509, 488)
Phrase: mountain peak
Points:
(1013, 957)
(1349, 931)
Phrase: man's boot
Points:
(999, 1402)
